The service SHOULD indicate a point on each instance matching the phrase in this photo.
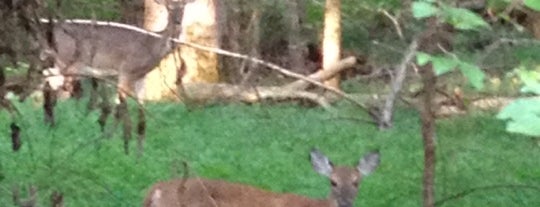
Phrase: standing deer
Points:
(104, 49)
(195, 192)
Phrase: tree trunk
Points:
(230, 40)
(296, 47)
(436, 39)
(253, 45)
(199, 25)
(428, 135)
(332, 37)
(160, 83)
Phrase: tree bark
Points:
(296, 47)
(199, 25)
(436, 39)
(332, 38)
(428, 135)
(160, 83)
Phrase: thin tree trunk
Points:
(247, 68)
(332, 37)
(296, 48)
(428, 135)
(436, 39)
(230, 30)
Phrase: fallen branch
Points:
(275, 67)
(323, 75)
(216, 93)
(207, 93)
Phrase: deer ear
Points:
(320, 163)
(369, 163)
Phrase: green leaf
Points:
(422, 9)
(523, 116)
(527, 124)
(517, 107)
(423, 58)
(531, 80)
(533, 4)
(473, 73)
(464, 19)
(442, 65)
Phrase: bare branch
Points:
(395, 22)
(397, 82)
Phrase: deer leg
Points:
(122, 112)
(141, 122)
(105, 108)
(93, 95)
(49, 102)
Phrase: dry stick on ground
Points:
(273, 67)
(385, 120)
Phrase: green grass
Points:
(265, 146)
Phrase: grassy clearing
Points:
(266, 146)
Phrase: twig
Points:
(395, 22)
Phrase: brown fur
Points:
(198, 192)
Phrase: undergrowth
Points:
(266, 146)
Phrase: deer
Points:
(108, 49)
(100, 49)
(199, 192)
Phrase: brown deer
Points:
(105, 49)
(196, 192)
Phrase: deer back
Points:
(197, 192)
(110, 48)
